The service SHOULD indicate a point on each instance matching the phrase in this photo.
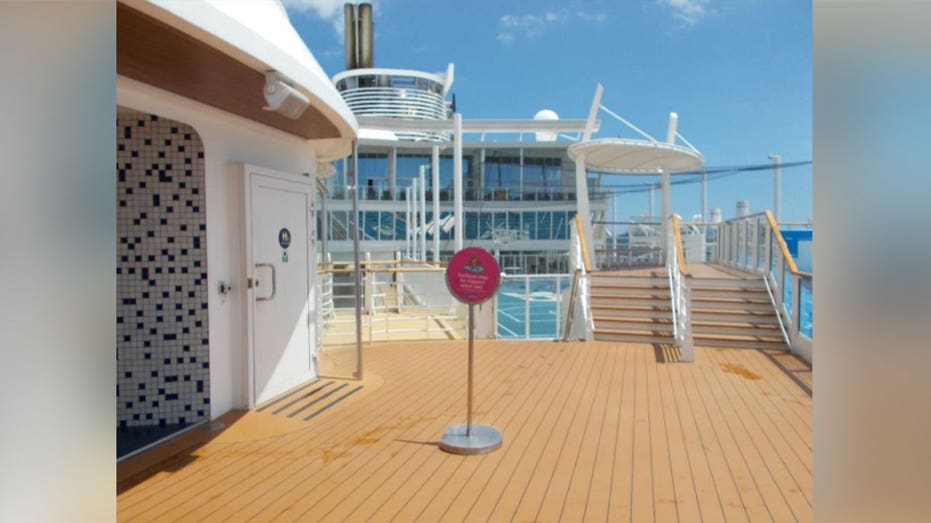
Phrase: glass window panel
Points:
(386, 228)
(514, 224)
(369, 224)
(501, 221)
(339, 226)
(552, 180)
(805, 308)
(471, 230)
(544, 222)
(400, 225)
(533, 179)
(485, 226)
(529, 224)
(374, 167)
(443, 234)
(559, 226)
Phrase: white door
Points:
(280, 241)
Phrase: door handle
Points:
(274, 283)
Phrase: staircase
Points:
(734, 313)
(630, 308)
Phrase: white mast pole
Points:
(652, 186)
(407, 221)
(581, 178)
(457, 180)
(777, 186)
(415, 195)
(435, 172)
(423, 214)
(666, 190)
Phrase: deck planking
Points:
(593, 431)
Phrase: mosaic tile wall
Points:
(161, 346)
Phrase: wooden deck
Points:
(593, 431)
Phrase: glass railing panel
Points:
(761, 245)
(509, 323)
(530, 307)
(805, 307)
(787, 290)
(741, 243)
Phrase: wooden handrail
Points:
(581, 230)
(389, 270)
(677, 231)
(774, 228)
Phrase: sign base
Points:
(482, 440)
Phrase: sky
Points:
(737, 72)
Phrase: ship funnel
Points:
(366, 31)
(349, 19)
(360, 32)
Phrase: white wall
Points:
(227, 139)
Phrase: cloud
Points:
(325, 9)
(687, 12)
(592, 17)
(533, 25)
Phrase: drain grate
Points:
(310, 400)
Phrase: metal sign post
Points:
(472, 276)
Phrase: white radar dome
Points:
(546, 114)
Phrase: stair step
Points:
(740, 342)
(631, 336)
(629, 281)
(632, 280)
(740, 329)
(714, 304)
(756, 318)
(730, 294)
(639, 324)
(616, 291)
(631, 301)
(722, 283)
(620, 311)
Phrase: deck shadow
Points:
(425, 443)
(665, 353)
(170, 456)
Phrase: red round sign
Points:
(473, 275)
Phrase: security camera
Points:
(283, 98)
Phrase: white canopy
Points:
(630, 156)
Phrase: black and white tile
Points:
(162, 337)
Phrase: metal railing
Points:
(680, 295)
(372, 190)
(755, 244)
(401, 300)
(641, 245)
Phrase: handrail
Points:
(790, 261)
(677, 231)
(679, 294)
(577, 283)
(570, 310)
(755, 243)
(772, 299)
(578, 226)
(394, 270)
